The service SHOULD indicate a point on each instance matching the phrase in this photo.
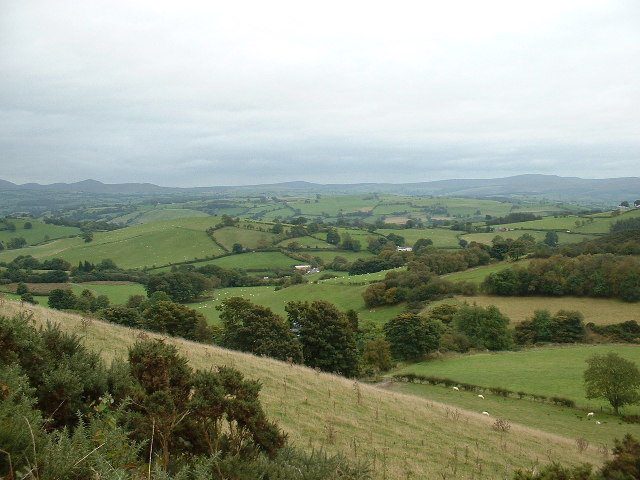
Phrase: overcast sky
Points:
(201, 93)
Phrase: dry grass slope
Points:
(400, 436)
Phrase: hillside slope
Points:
(400, 436)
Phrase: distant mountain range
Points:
(610, 191)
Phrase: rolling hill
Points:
(609, 191)
(400, 436)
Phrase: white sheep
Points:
(481, 396)
(456, 389)
(590, 414)
(598, 423)
(485, 413)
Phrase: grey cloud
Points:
(201, 93)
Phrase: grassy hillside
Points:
(227, 236)
(38, 233)
(478, 274)
(400, 436)
(157, 243)
(158, 214)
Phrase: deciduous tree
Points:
(613, 378)
(412, 336)
(256, 329)
(327, 338)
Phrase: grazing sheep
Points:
(590, 414)
(481, 396)
(598, 423)
(485, 413)
(456, 389)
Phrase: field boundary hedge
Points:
(470, 387)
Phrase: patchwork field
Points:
(255, 261)
(139, 246)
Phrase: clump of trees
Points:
(160, 314)
(420, 282)
(105, 270)
(180, 286)
(601, 275)
(563, 327)
(87, 301)
(412, 336)
(326, 335)
(256, 329)
(484, 328)
(21, 269)
(622, 241)
(515, 217)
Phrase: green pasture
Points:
(356, 234)
(159, 215)
(465, 206)
(39, 299)
(601, 311)
(52, 249)
(478, 274)
(255, 261)
(550, 371)
(365, 278)
(590, 224)
(397, 208)
(572, 223)
(563, 237)
(307, 242)
(328, 255)
(172, 245)
(564, 421)
(117, 292)
(39, 233)
(344, 296)
(282, 212)
(333, 205)
(441, 237)
(227, 236)
(138, 246)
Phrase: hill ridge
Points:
(562, 188)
